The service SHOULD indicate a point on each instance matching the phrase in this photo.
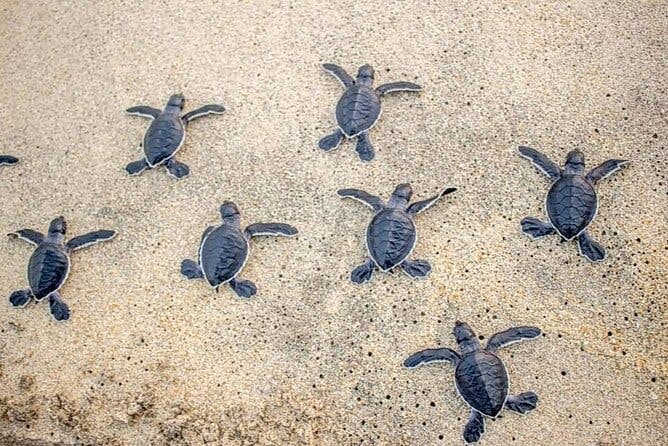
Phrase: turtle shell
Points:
(482, 381)
(163, 138)
(47, 269)
(222, 254)
(571, 205)
(390, 238)
(357, 110)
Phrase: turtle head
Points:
(465, 337)
(57, 229)
(230, 213)
(365, 75)
(176, 101)
(401, 196)
(575, 162)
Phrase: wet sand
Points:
(151, 358)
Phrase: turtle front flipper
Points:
(417, 269)
(362, 273)
(176, 169)
(6, 160)
(511, 336)
(58, 308)
(522, 403)
(137, 167)
(28, 235)
(431, 355)
(397, 86)
(244, 288)
(372, 201)
(90, 239)
(364, 148)
(331, 141)
(191, 269)
(474, 428)
(143, 111)
(346, 80)
(542, 162)
(589, 248)
(20, 299)
(605, 169)
(211, 109)
(421, 206)
(275, 229)
(536, 228)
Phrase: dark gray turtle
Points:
(571, 203)
(165, 136)
(480, 376)
(49, 265)
(359, 108)
(224, 250)
(6, 160)
(391, 235)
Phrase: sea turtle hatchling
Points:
(391, 234)
(165, 136)
(359, 108)
(571, 203)
(481, 377)
(49, 265)
(224, 250)
(6, 160)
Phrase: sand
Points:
(151, 358)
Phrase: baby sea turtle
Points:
(6, 160)
(571, 203)
(49, 265)
(391, 235)
(359, 108)
(480, 376)
(166, 134)
(224, 250)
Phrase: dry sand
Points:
(149, 358)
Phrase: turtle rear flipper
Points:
(416, 268)
(20, 298)
(137, 167)
(59, 309)
(191, 270)
(364, 148)
(535, 228)
(243, 288)
(176, 169)
(331, 141)
(522, 403)
(474, 428)
(362, 273)
(6, 160)
(590, 249)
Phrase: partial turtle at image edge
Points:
(8, 160)
(391, 235)
(571, 203)
(481, 378)
(359, 108)
(166, 134)
(224, 250)
(49, 265)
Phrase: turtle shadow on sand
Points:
(166, 134)
(391, 235)
(359, 108)
(49, 265)
(481, 378)
(224, 250)
(571, 203)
